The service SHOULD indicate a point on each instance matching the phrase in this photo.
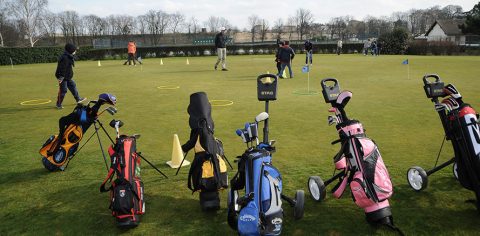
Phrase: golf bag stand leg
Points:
(100, 141)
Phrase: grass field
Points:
(391, 105)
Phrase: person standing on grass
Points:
(277, 56)
(220, 45)
(286, 56)
(132, 49)
(309, 50)
(339, 46)
(64, 75)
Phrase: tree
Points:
(253, 21)
(69, 24)
(29, 13)
(177, 19)
(50, 25)
(394, 42)
(472, 23)
(193, 25)
(278, 28)
(304, 20)
(263, 29)
(3, 22)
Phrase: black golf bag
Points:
(460, 123)
(208, 172)
(57, 151)
(126, 191)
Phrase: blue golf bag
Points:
(259, 210)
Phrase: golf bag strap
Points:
(109, 177)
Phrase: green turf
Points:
(392, 107)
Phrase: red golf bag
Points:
(126, 191)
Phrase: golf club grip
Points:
(426, 81)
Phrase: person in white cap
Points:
(221, 49)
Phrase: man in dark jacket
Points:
(285, 56)
(64, 75)
(309, 52)
(277, 56)
(221, 49)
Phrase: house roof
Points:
(449, 27)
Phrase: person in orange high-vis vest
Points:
(132, 49)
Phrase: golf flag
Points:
(305, 69)
(405, 62)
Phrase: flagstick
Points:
(408, 70)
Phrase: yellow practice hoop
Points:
(168, 87)
(35, 102)
(221, 103)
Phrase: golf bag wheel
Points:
(417, 178)
(299, 203)
(455, 170)
(316, 187)
(233, 209)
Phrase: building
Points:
(447, 30)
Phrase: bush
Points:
(434, 48)
(395, 42)
(37, 55)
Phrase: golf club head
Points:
(261, 117)
(111, 110)
(136, 136)
(239, 132)
(116, 123)
(332, 120)
(271, 143)
(107, 98)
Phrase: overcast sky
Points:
(238, 11)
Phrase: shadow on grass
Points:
(19, 108)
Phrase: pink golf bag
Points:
(359, 162)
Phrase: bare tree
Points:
(304, 20)
(3, 21)
(94, 25)
(214, 23)
(253, 21)
(177, 20)
(278, 28)
(29, 12)
(193, 26)
(50, 25)
(69, 23)
(264, 29)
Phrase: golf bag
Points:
(359, 161)
(59, 149)
(461, 125)
(126, 191)
(208, 172)
(259, 211)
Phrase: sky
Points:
(238, 11)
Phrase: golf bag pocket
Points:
(338, 190)
(375, 171)
(359, 191)
(207, 180)
(273, 223)
(139, 204)
(122, 199)
(248, 222)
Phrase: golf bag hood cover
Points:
(107, 98)
(200, 110)
(343, 98)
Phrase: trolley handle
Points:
(426, 81)
(324, 83)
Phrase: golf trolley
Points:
(461, 125)
(259, 211)
(59, 150)
(359, 162)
